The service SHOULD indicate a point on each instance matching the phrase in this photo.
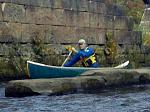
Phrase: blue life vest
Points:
(86, 56)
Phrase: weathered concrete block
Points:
(101, 8)
(66, 4)
(69, 4)
(31, 32)
(64, 34)
(92, 6)
(91, 35)
(82, 5)
(109, 9)
(94, 20)
(123, 37)
(137, 37)
(26, 33)
(10, 32)
(1, 17)
(97, 21)
(15, 31)
(128, 37)
(23, 2)
(41, 3)
(109, 22)
(49, 35)
(36, 3)
(46, 33)
(3, 27)
(73, 4)
(58, 17)
(116, 10)
(80, 17)
(96, 7)
(13, 12)
(121, 22)
(56, 4)
(119, 10)
(39, 15)
(71, 18)
(102, 21)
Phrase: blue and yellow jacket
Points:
(86, 56)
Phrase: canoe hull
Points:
(37, 70)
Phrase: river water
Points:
(128, 99)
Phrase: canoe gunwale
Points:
(44, 65)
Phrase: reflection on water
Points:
(129, 99)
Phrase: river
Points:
(127, 99)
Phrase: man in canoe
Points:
(85, 54)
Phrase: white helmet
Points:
(82, 41)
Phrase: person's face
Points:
(82, 45)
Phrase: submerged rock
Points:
(92, 81)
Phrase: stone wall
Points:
(38, 30)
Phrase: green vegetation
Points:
(46, 54)
(134, 9)
(110, 48)
(17, 62)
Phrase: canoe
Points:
(38, 70)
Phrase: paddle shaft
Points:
(66, 59)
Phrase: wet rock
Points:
(52, 86)
(91, 81)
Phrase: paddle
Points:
(66, 59)
(122, 65)
(69, 55)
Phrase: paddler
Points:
(85, 54)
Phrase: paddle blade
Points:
(122, 65)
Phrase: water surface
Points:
(129, 99)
